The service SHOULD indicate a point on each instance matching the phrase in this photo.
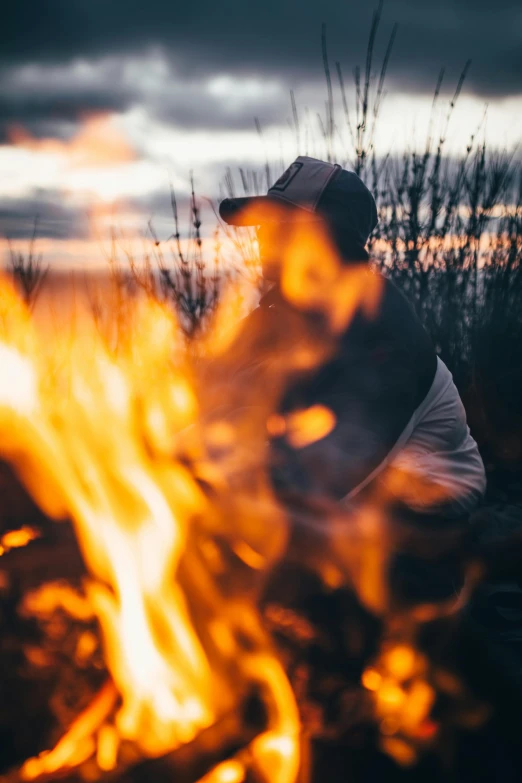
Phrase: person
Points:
(399, 419)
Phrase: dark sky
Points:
(276, 35)
(276, 39)
(211, 67)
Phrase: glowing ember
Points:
(309, 426)
(56, 595)
(403, 700)
(15, 539)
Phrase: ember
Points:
(17, 538)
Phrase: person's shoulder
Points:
(394, 301)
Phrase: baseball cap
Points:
(310, 189)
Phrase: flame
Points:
(305, 427)
(14, 539)
(78, 744)
(93, 434)
(56, 595)
(403, 699)
(162, 469)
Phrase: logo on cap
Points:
(287, 176)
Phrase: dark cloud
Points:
(43, 214)
(280, 37)
(217, 65)
(49, 100)
(53, 116)
(46, 215)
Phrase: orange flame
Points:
(98, 432)
(93, 434)
(14, 539)
(403, 699)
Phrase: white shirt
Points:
(437, 447)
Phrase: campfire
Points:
(170, 578)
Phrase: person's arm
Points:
(371, 389)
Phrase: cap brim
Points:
(259, 210)
(253, 210)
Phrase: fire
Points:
(56, 595)
(93, 435)
(160, 462)
(403, 699)
(17, 538)
(78, 744)
(337, 290)
(303, 427)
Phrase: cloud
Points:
(43, 214)
(217, 66)
(185, 81)
(48, 214)
(98, 143)
(96, 163)
(276, 37)
(50, 100)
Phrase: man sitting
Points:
(396, 410)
